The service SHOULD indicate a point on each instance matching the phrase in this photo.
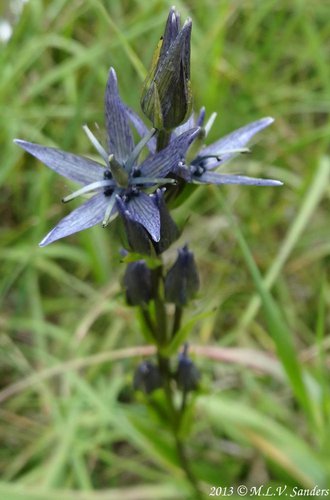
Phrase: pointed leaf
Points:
(120, 137)
(74, 167)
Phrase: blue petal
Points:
(192, 121)
(87, 215)
(235, 140)
(141, 128)
(165, 161)
(119, 133)
(74, 167)
(142, 209)
(215, 178)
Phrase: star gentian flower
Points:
(203, 160)
(166, 96)
(119, 178)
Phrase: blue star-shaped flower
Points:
(119, 178)
(205, 159)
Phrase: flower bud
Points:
(166, 96)
(138, 238)
(187, 375)
(182, 280)
(138, 283)
(169, 231)
(147, 378)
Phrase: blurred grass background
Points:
(68, 428)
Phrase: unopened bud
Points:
(169, 232)
(147, 377)
(187, 375)
(138, 283)
(182, 280)
(166, 96)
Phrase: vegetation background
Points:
(70, 426)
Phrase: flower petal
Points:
(141, 128)
(142, 209)
(120, 137)
(167, 160)
(235, 140)
(215, 178)
(87, 215)
(169, 232)
(74, 167)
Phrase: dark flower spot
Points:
(129, 194)
(198, 170)
(107, 175)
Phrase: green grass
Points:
(68, 346)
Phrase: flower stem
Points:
(163, 139)
(175, 415)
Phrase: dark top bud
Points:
(166, 96)
(182, 280)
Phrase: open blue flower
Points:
(200, 167)
(118, 178)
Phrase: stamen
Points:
(97, 145)
(225, 152)
(152, 181)
(87, 189)
(107, 215)
(209, 123)
(138, 148)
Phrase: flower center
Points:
(129, 194)
(198, 170)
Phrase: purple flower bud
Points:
(147, 378)
(138, 283)
(187, 375)
(182, 280)
(169, 232)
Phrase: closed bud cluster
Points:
(166, 97)
(147, 377)
(182, 280)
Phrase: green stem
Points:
(149, 323)
(175, 418)
(177, 320)
(163, 139)
(175, 415)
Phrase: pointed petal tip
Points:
(44, 241)
(112, 78)
(268, 120)
(278, 183)
(187, 26)
(20, 142)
